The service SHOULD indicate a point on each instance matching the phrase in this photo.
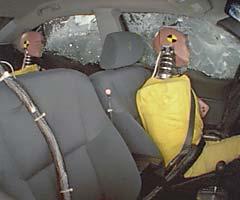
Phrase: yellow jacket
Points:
(164, 108)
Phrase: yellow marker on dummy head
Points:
(172, 38)
(26, 44)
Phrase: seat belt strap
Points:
(188, 140)
(191, 124)
(62, 178)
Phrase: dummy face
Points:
(172, 37)
(34, 43)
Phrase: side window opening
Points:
(213, 50)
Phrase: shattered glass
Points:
(213, 50)
(76, 37)
(234, 11)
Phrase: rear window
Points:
(213, 50)
(76, 37)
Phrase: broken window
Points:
(76, 37)
(213, 50)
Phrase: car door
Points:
(212, 91)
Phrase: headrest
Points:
(121, 49)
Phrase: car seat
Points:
(123, 77)
(97, 160)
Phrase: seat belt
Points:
(188, 140)
(62, 178)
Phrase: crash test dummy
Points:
(31, 44)
(164, 104)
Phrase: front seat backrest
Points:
(97, 160)
(121, 51)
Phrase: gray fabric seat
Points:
(124, 77)
(97, 160)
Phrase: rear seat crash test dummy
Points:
(164, 104)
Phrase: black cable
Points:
(62, 178)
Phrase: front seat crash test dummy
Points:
(31, 44)
(164, 104)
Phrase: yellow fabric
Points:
(213, 152)
(27, 69)
(164, 108)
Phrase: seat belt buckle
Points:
(108, 93)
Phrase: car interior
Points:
(89, 98)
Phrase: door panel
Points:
(213, 91)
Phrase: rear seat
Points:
(123, 76)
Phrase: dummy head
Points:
(176, 39)
(33, 42)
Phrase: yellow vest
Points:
(164, 108)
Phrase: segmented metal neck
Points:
(166, 63)
(27, 59)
